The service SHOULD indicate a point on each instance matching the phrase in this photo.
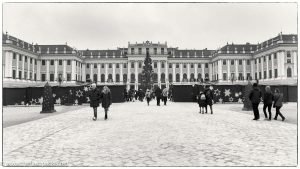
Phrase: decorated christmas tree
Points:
(48, 103)
(147, 73)
(247, 102)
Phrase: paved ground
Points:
(138, 135)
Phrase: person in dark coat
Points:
(106, 100)
(209, 99)
(278, 98)
(165, 95)
(125, 95)
(268, 100)
(201, 98)
(255, 96)
(148, 96)
(94, 96)
(158, 95)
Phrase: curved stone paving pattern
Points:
(138, 135)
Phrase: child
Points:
(148, 96)
(202, 101)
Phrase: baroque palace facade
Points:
(273, 61)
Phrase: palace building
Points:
(273, 61)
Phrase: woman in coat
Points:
(209, 99)
(94, 96)
(268, 100)
(106, 99)
(278, 98)
(202, 102)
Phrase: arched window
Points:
(132, 78)
(154, 77)
(95, 78)
(124, 78)
(184, 78)
(177, 77)
(170, 77)
(199, 77)
(102, 78)
(87, 77)
(109, 78)
(289, 72)
(162, 77)
(192, 77)
(139, 77)
(206, 76)
(117, 78)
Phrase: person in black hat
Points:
(255, 97)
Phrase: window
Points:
(275, 73)
(206, 65)
(102, 65)
(162, 50)
(289, 72)
(140, 51)
(124, 78)
(14, 55)
(155, 65)
(132, 50)
(14, 74)
(68, 77)
(20, 57)
(155, 51)
(60, 62)
(87, 77)
(52, 62)
(192, 66)
(25, 58)
(248, 62)
(87, 66)
(34, 62)
(177, 65)
(224, 76)
(51, 77)
(177, 77)
(30, 60)
(248, 76)
(224, 62)
(259, 60)
(240, 62)
(25, 75)
(259, 75)
(255, 61)
(102, 78)
(275, 55)
(147, 50)
(270, 57)
(43, 62)
(20, 74)
(95, 65)
(68, 62)
(75, 63)
(117, 65)
(264, 58)
(199, 65)
(184, 65)
(170, 65)
(270, 73)
(34, 76)
(241, 76)
(255, 76)
(125, 65)
(162, 65)
(132, 77)
(199, 76)
(117, 78)
(132, 65)
(232, 62)
(109, 65)
(30, 76)
(265, 74)
(288, 57)
(43, 77)
(170, 77)
(140, 64)
(95, 78)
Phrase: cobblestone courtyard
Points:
(138, 135)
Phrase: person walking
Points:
(201, 98)
(209, 99)
(278, 98)
(158, 95)
(148, 96)
(165, 95)
(94, 96)
(106, 100)
(254, 97)
(268, 99)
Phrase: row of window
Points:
(25, 58)
(162, 50)
(240, 62)
(140, 65)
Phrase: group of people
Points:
(205, 98)
(132, 95)
(269, 100)
(96, 97)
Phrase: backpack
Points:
(202, 97)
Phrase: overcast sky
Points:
(107, 25)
